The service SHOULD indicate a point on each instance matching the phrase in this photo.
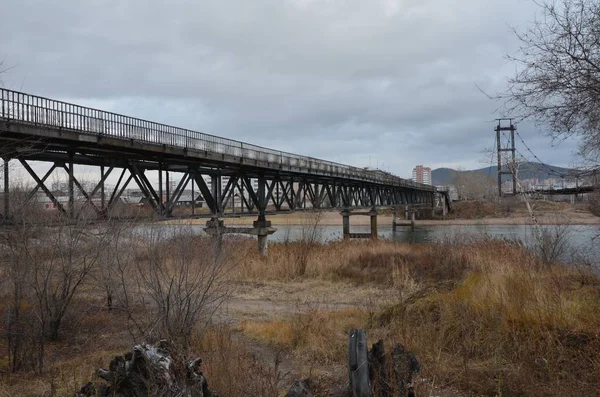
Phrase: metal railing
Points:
(30, 109)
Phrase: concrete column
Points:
(6, 189)
(394, 214)
(373, 215)
(263, 229)
(263, 244)
(444, 208)
(573, 199)
(346, 223)
(215, 227)
(412, 220)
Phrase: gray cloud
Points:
(391, 80)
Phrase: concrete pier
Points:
(345, 223)
(394, 216)
(373, 215)
(263, 229)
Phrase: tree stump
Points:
(150, 370)
(405, 364)
(377, 370)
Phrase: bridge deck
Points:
(51, 127)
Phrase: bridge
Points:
(34, 128)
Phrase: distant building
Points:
(422, 174)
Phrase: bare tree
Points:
(472, 185)
(169, 284)
(557, 82)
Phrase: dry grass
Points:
(228, 365)
(485, 317)
(314, 335)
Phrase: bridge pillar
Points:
(412, 220)
(215, 227)
(6, 214)
(394, 215)
(444, 208)
(346, 223)
(373, 215)
(263, 229)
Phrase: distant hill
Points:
(445, 176)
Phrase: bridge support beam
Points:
(6, 213)
(394, 216)
(71, 187)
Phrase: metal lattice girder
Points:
(88, 199)
(42, 186)
(146, 188)
(228, 189)
(37, 186)
(286, 193)
(240, 187)
(251, 192)
(174, 197)
(270, 189)
(206, 193)
(118, 190)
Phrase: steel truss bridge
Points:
(34, 128)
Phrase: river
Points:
(579, 239)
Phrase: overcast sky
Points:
(381, 82)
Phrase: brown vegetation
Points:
(487, 317)
(483, 316)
